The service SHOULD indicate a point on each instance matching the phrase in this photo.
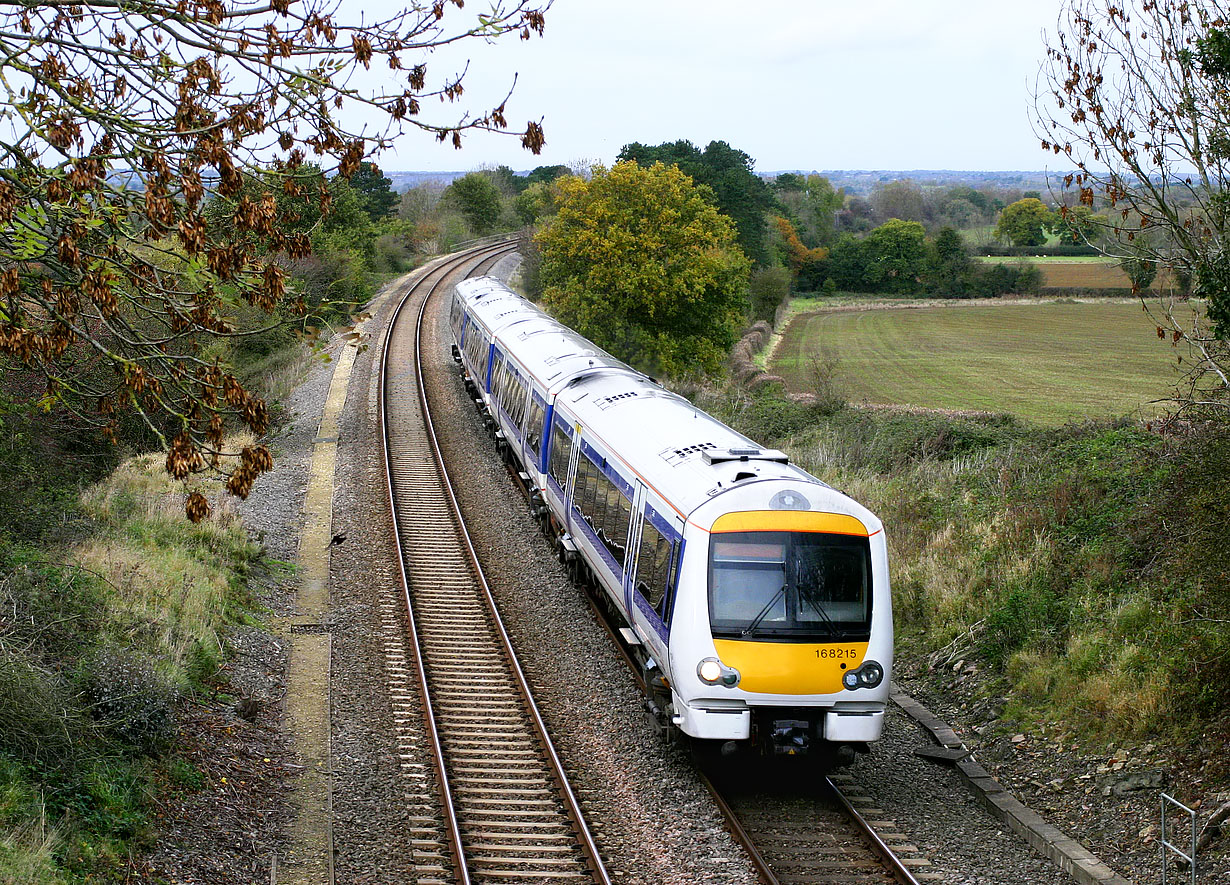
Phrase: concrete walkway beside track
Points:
(309, 858)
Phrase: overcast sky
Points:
(797, 84)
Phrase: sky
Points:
(796, 84)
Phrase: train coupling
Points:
(790, 737)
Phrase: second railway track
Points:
(508, 812)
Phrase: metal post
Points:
(1167, 844)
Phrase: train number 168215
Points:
(833, 652)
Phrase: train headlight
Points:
(869, 675)
(710, 671)
(713, 672)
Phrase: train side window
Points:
(533, 432)
(604, 507)
(518, 393)
(561, 450)
(657, 561)
(618, 515)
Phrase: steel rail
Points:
(887, 856)
(570, 806)
(437, 750)
(571, 803)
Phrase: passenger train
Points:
(755, 596)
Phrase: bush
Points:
(130, 699)
(42, 724)
(768, 287)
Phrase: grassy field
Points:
(1042, 361)
(1074, 272)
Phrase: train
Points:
(754, 597)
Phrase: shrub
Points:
(130, 699)
(768, 287)
(41, 722)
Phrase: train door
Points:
(659, 548)
(634, 536)
(532, 442)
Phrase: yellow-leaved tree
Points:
(639, 260)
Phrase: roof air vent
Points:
(721, 456)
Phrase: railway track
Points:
(813, 829)
(504, 811)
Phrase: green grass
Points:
(1045, 362)
(1048, 259)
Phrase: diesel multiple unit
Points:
(755, 596)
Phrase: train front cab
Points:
(791, 641)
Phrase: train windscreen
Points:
(793, 586)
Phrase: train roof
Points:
(552, 353)
(495, 305)
(686, 455)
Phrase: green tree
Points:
(129, 271)
(638, 260)
(948, 264)
(895, 255)
(546, 174)
(847, 264)
(1136, 96)
(769, 287)
(375, 191)
(534, 202)
(1025, 222)
(739, 192)
(478, 199)
(1080, 224)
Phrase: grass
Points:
(1074, 272)
(1046, 362)
(105, 637)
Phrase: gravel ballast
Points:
(652, 818)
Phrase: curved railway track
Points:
(506, 811)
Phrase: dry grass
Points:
(170, 579)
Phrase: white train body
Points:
(756, 595)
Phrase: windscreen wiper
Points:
(764, 611)
(824, 616)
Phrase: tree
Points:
(948, 264)
(124, 121)
(901, 199)
(638, 260)
(806, 264)
(1025, 222)
(546, 174)
(478, 199)
(375, 191)
(768, 289)
(738, 191)
(1135, 94)
(895, 255)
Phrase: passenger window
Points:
(533, 434)
(656, 566)
(561, 451)
(604, 507)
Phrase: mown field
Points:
(1074, 272)
(1047, 362)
